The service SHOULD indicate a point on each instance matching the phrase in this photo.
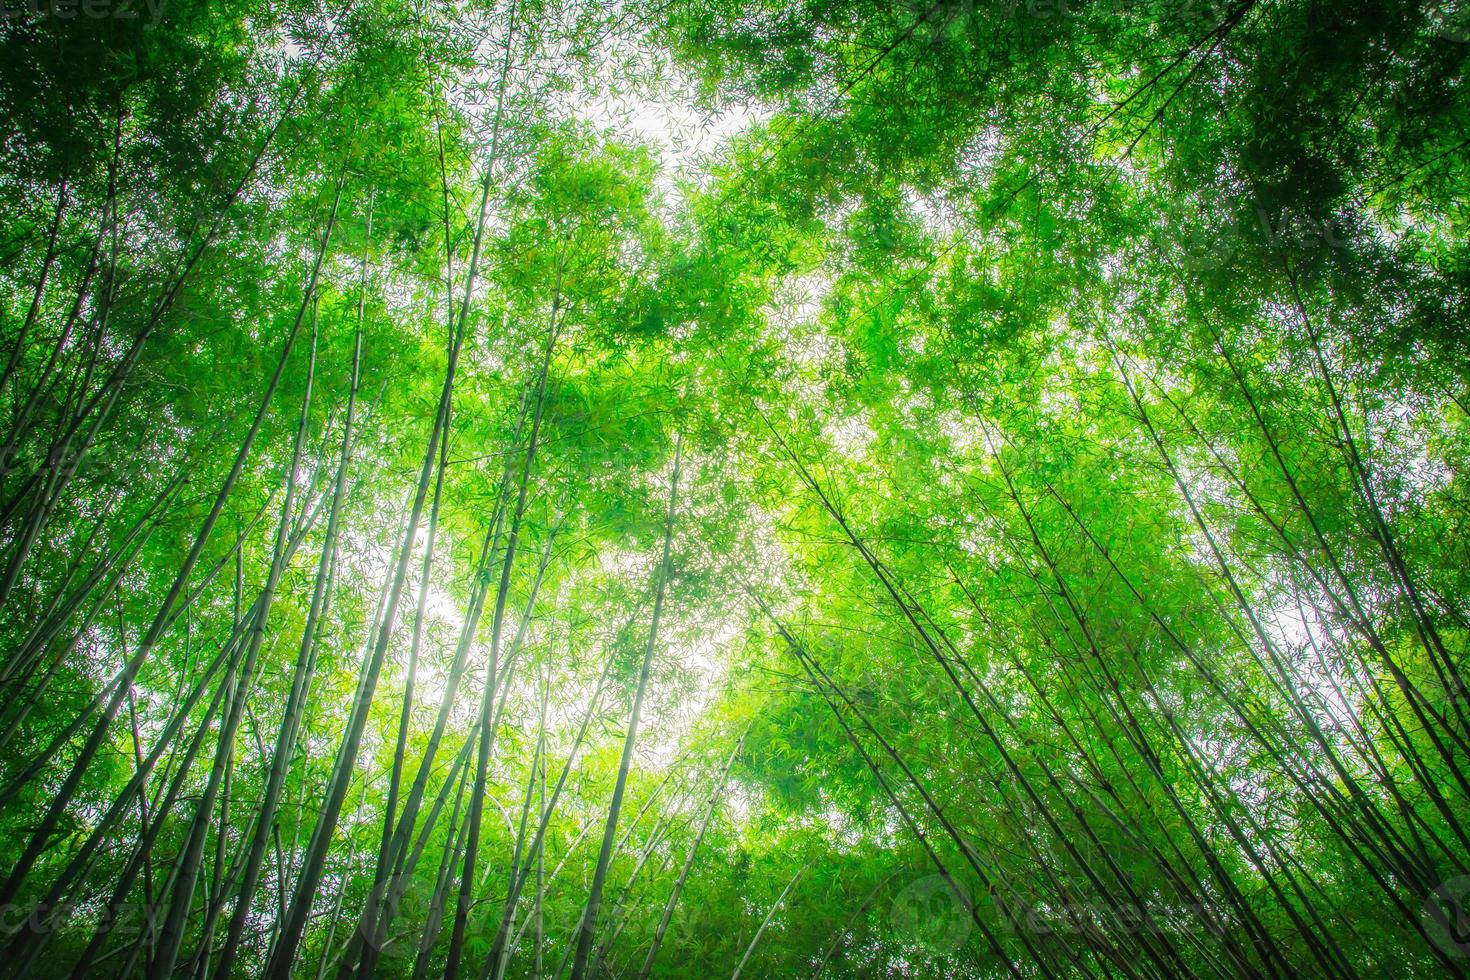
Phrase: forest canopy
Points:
(677, 488)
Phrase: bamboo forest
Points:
(757, 488)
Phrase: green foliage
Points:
(1068, 573)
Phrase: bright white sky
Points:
(680, 132)
(659, 109)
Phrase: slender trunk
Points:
(504, 934)
(321, 970)
(497, 966)
(587, 931)
(49, 821)
(467, 879)
(291, 717)
(17, 353)
(740, 967)
(673, 901)
(166, 956)
(284, 952)
(453, 844)
(841, 933)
